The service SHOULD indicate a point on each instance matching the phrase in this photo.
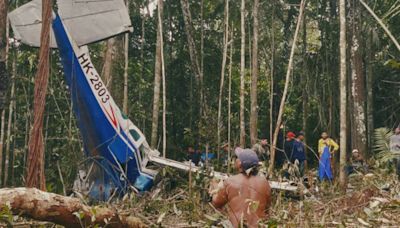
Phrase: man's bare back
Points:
(246, 197)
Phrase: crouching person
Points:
(247, 195)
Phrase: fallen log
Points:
(62, 210)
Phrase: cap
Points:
(247, 157)
(355, 151)
(290, 134)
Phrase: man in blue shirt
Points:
(299, 153)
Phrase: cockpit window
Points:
(134, 134)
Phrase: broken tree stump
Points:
(62, 210)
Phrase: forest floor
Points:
(371, 200)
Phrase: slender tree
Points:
(126, 67)
(221, 86)
(164, 117)
(343, 93)
(271, 89)
(194, 58)
(157, 81)
(254, 77)
(242, 72)
(35, 168)
(202, 95)
(9, 123)
(285, 91)
(230, 96)
(304, 79)
(3, 74)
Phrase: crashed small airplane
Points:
(118, 153)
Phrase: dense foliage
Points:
(314, 89)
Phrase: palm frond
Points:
(382, 144)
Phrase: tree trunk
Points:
(157, 82)
(189, 36)
(65, 211)
(142, 62)
(285, 91)
(359, 129)
(254, 78)
(271, 92)
(221, 86)
(35, 168)
(242, 73)
(202, 95)
(9, 123)
(164, 120)
(230, 98)
(108, 62)
(343, 94)
(126, 67)
(3, 75)
(370, 96)
(3, 123)
(304, 80)
(3, 54)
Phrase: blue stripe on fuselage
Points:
(97, 132)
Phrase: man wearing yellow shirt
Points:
(326, 141)
(326, 144)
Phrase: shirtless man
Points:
(247, 195)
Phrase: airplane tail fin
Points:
(87, 21)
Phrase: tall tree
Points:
(194, 58)
(3, 74)
(242, 72)
(164, 116)
(202, 95)
(285, 90)
(108, 57)
(358, 127)
(157, 80)
(126, 66)
(35, 168)
(254, 77)
(221, 86)
(304, 78)
(343, 93)
(271, 87)
(230, 95)
(10, 122)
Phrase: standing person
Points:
(326, 147)
(288, 147)
(299, 153)
(261, 148)
(331, 144)
(193, 155)
(326, 141)
(225, 154)
(395, 149)
(247, 195)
